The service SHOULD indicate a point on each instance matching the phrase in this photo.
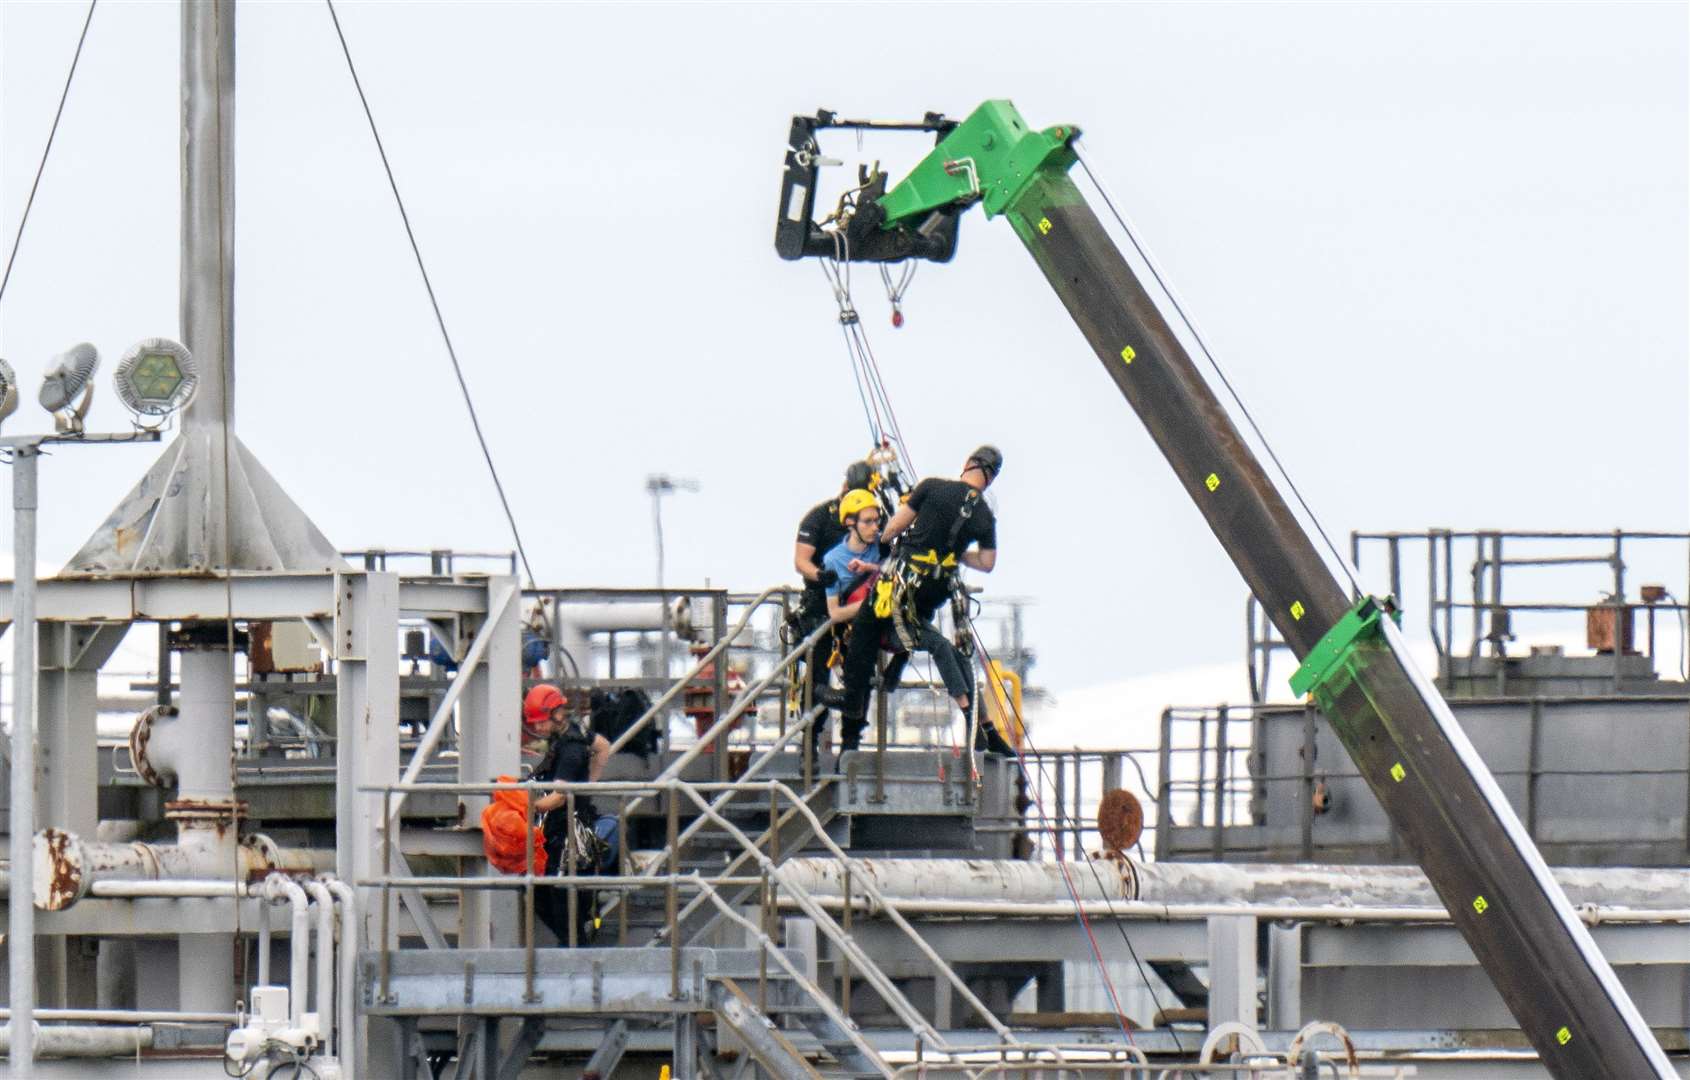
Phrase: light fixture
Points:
(71, 373)
(156, 378)
(8, 390)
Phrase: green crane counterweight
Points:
(1439, 795)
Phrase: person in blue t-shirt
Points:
(855, 559)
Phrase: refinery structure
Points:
(284, 863)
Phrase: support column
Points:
(71, 656)
(489, 745)
(1232, 970)
(205, 789)
(1285, 977)
(366, 656)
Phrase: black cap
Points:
(857, 475)
(989, 458)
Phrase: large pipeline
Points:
(984, 881)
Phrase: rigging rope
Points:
(48, 149)
(1203, 347)
(440, 320)
(883, 426)
(1021, 763)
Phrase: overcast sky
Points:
(1442, 250)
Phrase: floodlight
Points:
(157, 377)
(69, 374)
(8, 390)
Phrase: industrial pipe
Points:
(1644, 889)
(85, 1041)
(67, 867)
(277, 886)
(346, 1030)
(324, 994)
(1146, 909)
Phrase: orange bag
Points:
(502, 825)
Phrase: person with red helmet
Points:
(571, 754)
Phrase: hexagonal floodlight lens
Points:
(157, 377)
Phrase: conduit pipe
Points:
(276, 887)
(85, 1041)
(323, 997)
(346, 1028)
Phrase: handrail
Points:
(817, 914)
(863, 964)
(840, 1019)
(716, 650)
(747, 698)
(727, 796)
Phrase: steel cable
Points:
(1203, 347)
(52, 132)
(434, 302)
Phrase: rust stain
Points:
(64, 871)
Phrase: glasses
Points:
(868, 519)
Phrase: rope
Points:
(882, 419)
(48, 149)
(440, 320)
(1203, 347)
(1021, 763)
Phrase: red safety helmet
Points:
(537, 706)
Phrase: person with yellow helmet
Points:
(856, 558)
(820, 531)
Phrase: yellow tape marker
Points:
(1127, 354)
(1480, 904)
(1398, 772)
(1211, 481)
(1297, 609)
(1564, 1036)
(1044, 226)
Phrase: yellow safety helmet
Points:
(855, 502)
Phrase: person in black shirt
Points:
(574, 755)
(943, 524)
(820, 532)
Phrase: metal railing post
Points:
(528, 992)
(670, 897)
(571, 864)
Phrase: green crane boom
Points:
(1439, 795)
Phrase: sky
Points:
(1441, 251)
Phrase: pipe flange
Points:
(213, 812)
(140, 737)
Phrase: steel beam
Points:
(1438, 794)
(366, 657)
(488, 744)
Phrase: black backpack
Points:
(614, 712)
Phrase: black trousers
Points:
(815, 673)
(868, 632)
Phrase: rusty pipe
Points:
(67, 866)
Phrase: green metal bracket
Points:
(1334, 654)
(992, 156)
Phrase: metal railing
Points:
(770, 879)
(1212, 778)
(1480, 591)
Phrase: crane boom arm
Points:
(1438, 794)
